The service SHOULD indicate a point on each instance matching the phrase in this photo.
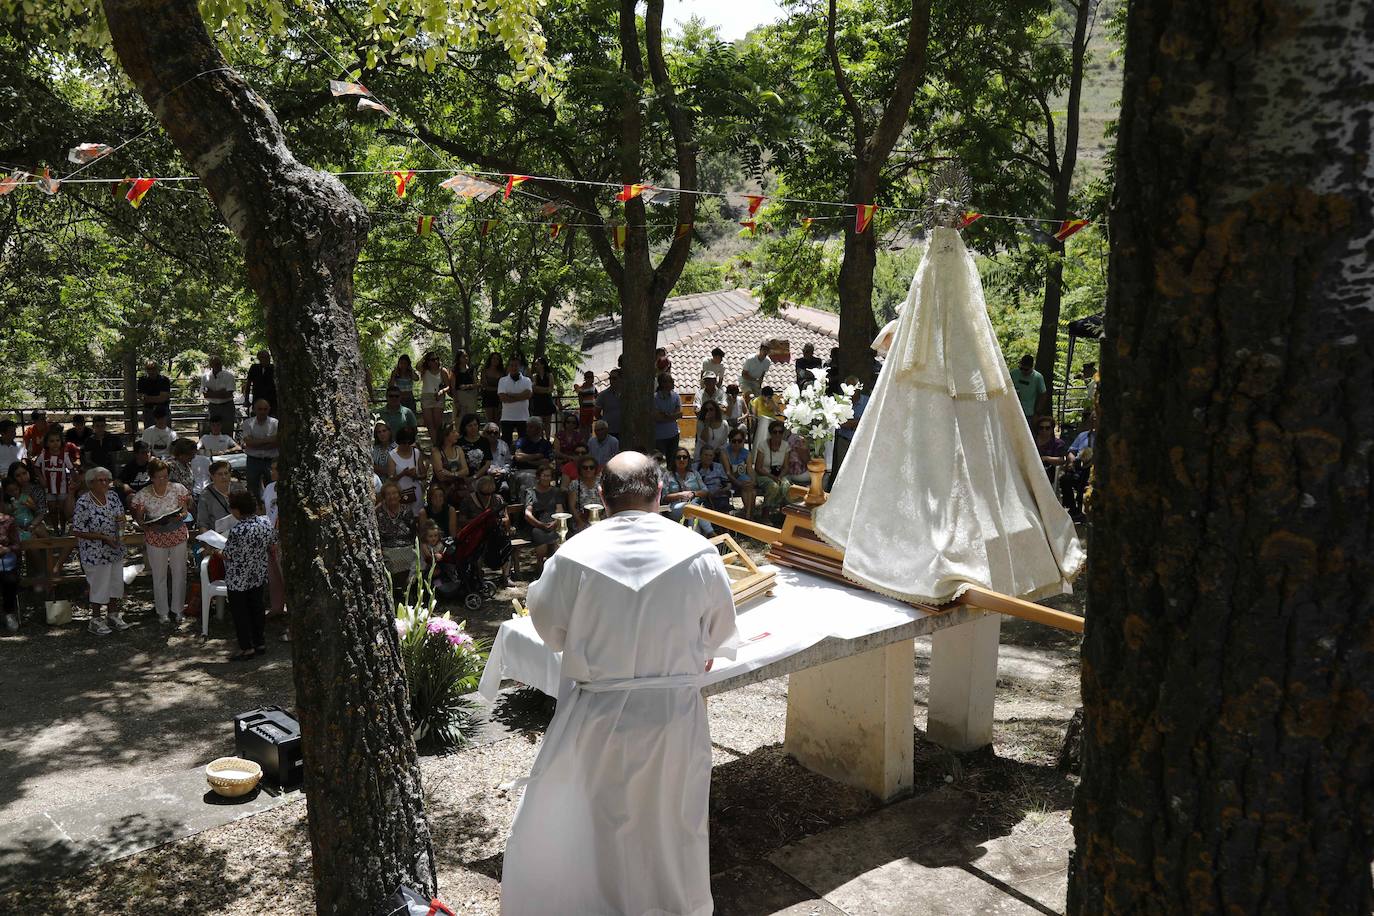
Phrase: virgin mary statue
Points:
(942, 488)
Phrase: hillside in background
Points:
(1101, 94)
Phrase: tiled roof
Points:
(691, 326)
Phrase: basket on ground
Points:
(232, 776)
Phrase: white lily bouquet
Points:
(815, 415)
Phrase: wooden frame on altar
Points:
(747, 581)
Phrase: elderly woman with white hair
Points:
(98, 523)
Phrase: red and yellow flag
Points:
(13, 181)
(1069, 227)
(139, 191)
(750, 224)
(48, 184)
(806, 223)
(969, 218)
(83, 153)
(424, 225)
(683, 230)
(631, 191)
(549, 208)
(755, 200)
(555, 229)
(342, 87)
(618, 236)
(512, 182)
(863, 216)
(403, 180)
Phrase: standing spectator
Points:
(259, 438)
(667, 410)
(515, 390)
(661, 361)
(247, 553)
(586, 401)
(710, 391)
(583, 492)
(712, 430)
(403, 378)
(36, 433)
(542, 404)
(260, 384)
(808, 367)
(160, 508)
(844, 436)
(381, 448)
(450, 462)
(434, 382)
(608, 403)
(98, 524)
(156, 391)
(79, 433)
(476, 450)
(396, 529)
(396, 415)
(501, 467)
(770, 465)
(218, 385)
(541, 501)
(407, 470)
(102, 447)
(718, 487)
(683, 487)
(216, 442)
(160, 436)
(1053, 451)
(1030, 388)
(276, 582)
(9, 568)
(10, 451)
(738, 467)
(713, 366)
(213, 505)
(602, 445)
(1073, 482)
(755, 368)
(463, 385)
(832, 373)
(55, 465)
(134, 475)
(492, 373)
(734, 408)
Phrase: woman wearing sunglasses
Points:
(683, 486)
(583, 492)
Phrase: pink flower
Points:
(448, 630)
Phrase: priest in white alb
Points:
(614, 818)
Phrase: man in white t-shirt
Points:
(218, 383)
(515, 390)
(713, 366)
(216, 442)
(755, 368)
(10, 451)
(260, 442)
(160, 435)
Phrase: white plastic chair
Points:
(208, 592)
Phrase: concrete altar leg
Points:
(963, 683)
(851, 719)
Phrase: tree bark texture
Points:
(301, 232)
(1228, 664)
(1047, 347)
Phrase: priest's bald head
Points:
(631, 481)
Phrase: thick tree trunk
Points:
(857, 324)
(639, 313)
(301, 232)
(1228, 666)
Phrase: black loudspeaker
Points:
(271, 737)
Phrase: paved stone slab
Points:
(912, 858)
(760, 889)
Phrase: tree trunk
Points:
(639, 312)
(857, 325)
(1047, 349)
(301, 232)
(131, 408)
(1228, 665)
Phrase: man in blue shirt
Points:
(667, 410)
(844, 436)
(1073, 482)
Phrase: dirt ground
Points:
(79, 716)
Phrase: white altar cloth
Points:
(803, 610)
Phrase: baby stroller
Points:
(459, 570)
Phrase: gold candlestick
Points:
(594, 511)
(562, 519)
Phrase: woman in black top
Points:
(491, 377)
(541, 404)
(463, 385)
(475, 447)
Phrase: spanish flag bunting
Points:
(631, 191)
(969, 218)
(618, 233)
(512, 182)
(12, 181)
(424, 225)
(750, 224)
(1069, 227)
(88, 152)
(339, 87)
(806, 223)
(403, 180)
(755, 200)
(683, 230)
(486, 227)
(863, 216)
(48, 184)
(555, 229)
(139, 190)
(467, 186)
(372, 105)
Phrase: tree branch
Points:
(856, 113)
(684, 145)
(910, 73)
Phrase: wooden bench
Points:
(64, 544)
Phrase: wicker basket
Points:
(237, 784)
